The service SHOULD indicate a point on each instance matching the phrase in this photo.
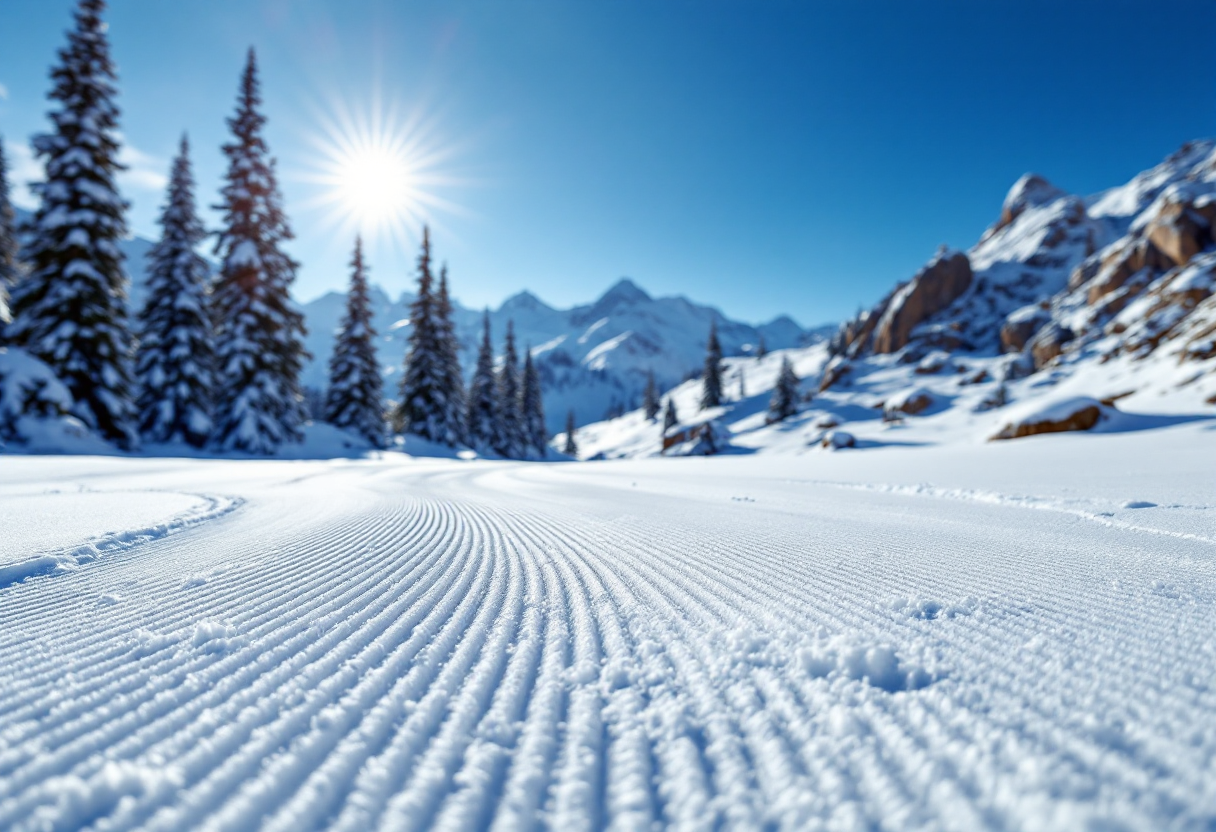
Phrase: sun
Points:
(374, 185)
(378, 174)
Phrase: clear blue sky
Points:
(768, 157)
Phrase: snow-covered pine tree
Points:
(481, 422)
(650, 397)
(354, 400)
(70, 310)
(174, 362)
(784, 402)
(8, 243)
(670, 417)
(510, 439)
(453, 377)
(259, 329)
(711, 378)
(426, 407)
(532, 407)
(570, 448)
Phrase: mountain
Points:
(592, 358)
(1101, 306)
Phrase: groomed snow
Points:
(996, 636)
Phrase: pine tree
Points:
(428, 405)
(481, 422)
(761, 348)
(9, 269)
(510, 439)
(670, 417)
(449, 355)
(532, 407)
(711, 379)
(174, 362)
(650, 397)
(784, 402)
(570, 448)
(259, 330)
(742, 385)
(354, 400)
(70, 311)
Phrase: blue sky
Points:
(767, 157)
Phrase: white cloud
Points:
(23, 169)
(144, 172)
(3, 92)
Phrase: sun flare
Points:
(379, 174)
(374, 185)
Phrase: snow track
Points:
(408, 646)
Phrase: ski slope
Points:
(1016, 636)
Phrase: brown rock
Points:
(833, 372)
(1083, 419)
(1049, 344)
(1021, 326)
(1119, 266)
(1179, 232)
(933, 289)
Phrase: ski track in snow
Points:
(457, 647)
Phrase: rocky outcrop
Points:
(1049, 344)
(1021, 326)
(1079, 413)
(932, 290)
(907, 403)
(1029, 191)
(1182, 227)
(835, 370)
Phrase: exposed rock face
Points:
(1030, 190)
(1021, 326)
(910, 402)
(836, 369)
(1074, 414)
(1049, 344)
(933, 289)
(1181, 230)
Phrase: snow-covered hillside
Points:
(1014, 636)
(1109, 297)
(591, 358)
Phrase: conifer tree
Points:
(650, 397)
(742, 385)
(670, 417)
(711, 378)
(354, 400)
(8, 243)
(481, 423)
(784, 402)
(428, 408)
(533, 410)
(510, 439)
(259, 329)
(70, 311)
(570, 448)
(761, 347)
(453, 377)
(174, 362)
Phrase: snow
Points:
(947, 636)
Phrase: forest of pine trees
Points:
(215, 360)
